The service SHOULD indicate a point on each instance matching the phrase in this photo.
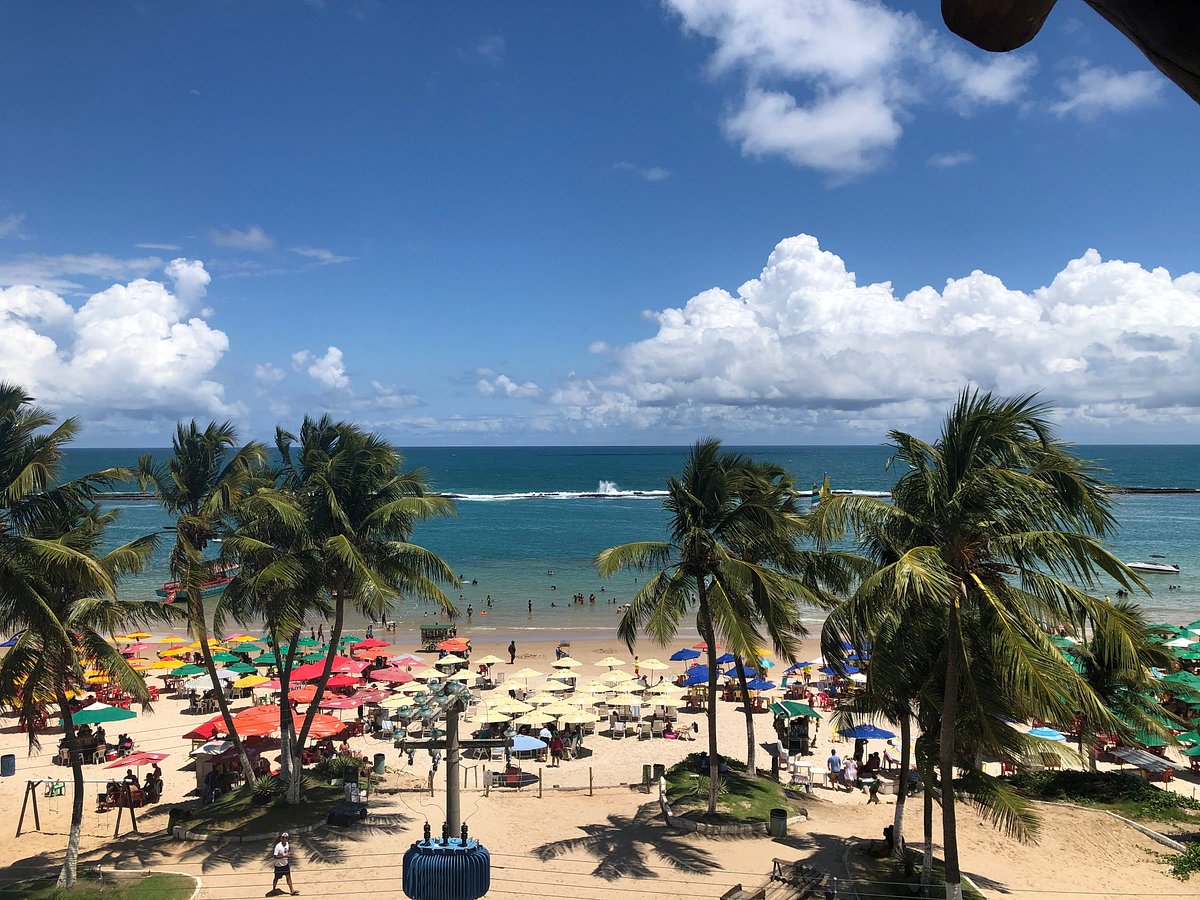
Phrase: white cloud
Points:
(1096, 90)
(951, 160)
(826, 84)
(148, 245)
(598, 347)
(252, 238)
(269, 374)
(491, 49)
(651, 173)
(321, 256)
(386, 396)
(329, 369)
(54, 272)
(493, 384)
(805, 345)
(133, 350)
(10, 225)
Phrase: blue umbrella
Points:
(725, 658)
(1048, 734)
(759, 684)
(12, 641)
(686, 653)
(734, 672)
(694, 678)
(867, 732)
(523, 743)
(830, 670)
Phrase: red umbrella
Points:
(350, 666)
(137, 760)
(703, 645)
(370, 644)
(408, 661)
(307, 693)
(337, 681)
(308, 672)
(272, 685)
(453, 645)
(396, 676)
(139, 647)
(207, 731)
(372, 695)
(322, 727)
(341, 703)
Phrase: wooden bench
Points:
(737, 892)
(796, 874)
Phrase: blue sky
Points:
(560, 223)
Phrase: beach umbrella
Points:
(266, 658)
(431, 675)
(527, 673)
(453, 645)
(307, 672)
(395, 676)
(188, 669)
(450, 660)
(464, 676)
(616, 676)
(490, 717)
(227, 675)
(653, 665)
(734, 672)
(759, 684)
(342, 680)
(241, 639)
(1047, 734)
(139, 647)
(703, 645)
(725, 658)
(225, 657)
(792, 708)
(514, 707)
(1150, 740)
(867, 732)
(685, 654)
(317, 656)
(371, 644)
(858, 678)
(138, 635)
(558, 708)
(665, 700)
(577, 717)
(340, 703)
(541, 699)
(610, 661)
(1180, 642)
(309, 642)
(625, 700)
(557, 686)
(166, 664)
(534, 718)
(177, 650)
(241, 668)
(212, 748)
(396, 701)
(323, 726)
(524, 743)
(349, 666)
(101, 712)
(665, 687)
(489, 660)
(171, 639)
(764, 663)
(137, 760)
(250, 681)
(371, 696)
(566, 663)
(350, 639)
(1189, 737)
(409, 659)
(695, 679)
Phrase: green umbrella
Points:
(1194, 751)
(350, 639)
(313, 657)
(226, 658)
(264, 659)
(188, 670)
(101, 712)
(307, 642)
(241, 667)
(1189, 737)
(793, 708)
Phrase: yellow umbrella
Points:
(534, 718)
(249, 681)
(176, 650)
(397, 701)
(556, 686)
(240, 639)
(566, 663)
(578, 717)
(431, 675)
(514, 707)
(166, 664)
(464, 675)
(611, 662)
(541, 699)
(138, 635)
(450, 660)
(120, 637)
(171, 639)
(558, 709)
(138, 664)
(490, 717)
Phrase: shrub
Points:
(1187, 863)
(268, 788)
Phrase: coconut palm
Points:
(994, 529)
(201, 485)
(359, 509)
(716, 512)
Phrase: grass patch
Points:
(885, 878)
(242, 812)
(1124, 793)
(742, 798)
(149, 887)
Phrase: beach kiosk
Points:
(432, 635)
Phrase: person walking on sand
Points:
(512, 653)
(283, 867)
(834, 764)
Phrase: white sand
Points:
(1081, 854)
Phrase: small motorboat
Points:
(1154, 567)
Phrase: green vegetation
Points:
(1121, 792)
(243, 812)
(1185, 864)
(741, 798)
(886, 878)
(150, 887)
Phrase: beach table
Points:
(1149, 766)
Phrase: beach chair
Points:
(657, 727)
(737, 892)
(618, 729)
(644, 731)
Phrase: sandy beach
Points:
(564, 843)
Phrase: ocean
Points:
(530, 520)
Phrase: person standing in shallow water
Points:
(512, 652)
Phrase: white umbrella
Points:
(610, 661)
(653, 665)
(566, 663)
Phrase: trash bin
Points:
(8, 764)
(778, 824)
(659, 771)
(380, 759)
(647, 773)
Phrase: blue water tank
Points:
(447, 869)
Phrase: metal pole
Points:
(453, 814)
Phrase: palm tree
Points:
(716, 511)
(201, 485)
(992, 529)
(54, 588)
(359, 510)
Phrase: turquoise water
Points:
(526, 512)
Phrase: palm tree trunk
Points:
(750, 747)
(953, 877)
(927, 824)
(898, 848)
(714, 761)
(335, 635)
(66, 877)
(200, 630)
(287, 731)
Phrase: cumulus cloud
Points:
(252, 238)
(495, 384)
(826, 84)
(805, 344)
(650, 173)
(1096, 90)
(269, 374)
(10, 225)
(132, 349)
(329, 369)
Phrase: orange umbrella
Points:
(453, 645)
(323, 726)
(307, 693)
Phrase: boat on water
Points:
(1155, 567)
(221, 577)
